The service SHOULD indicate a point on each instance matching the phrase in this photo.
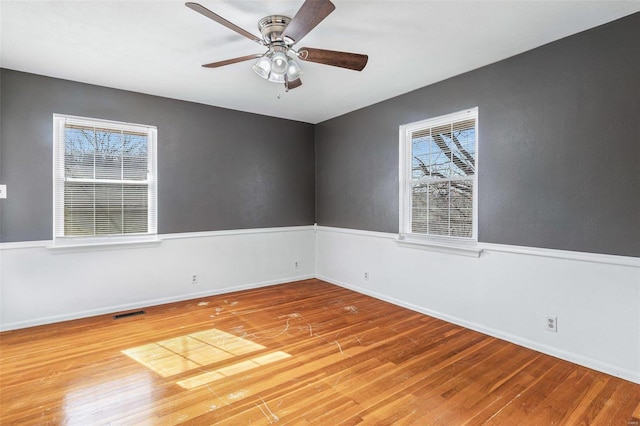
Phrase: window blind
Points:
(438, 177)
(105, 180)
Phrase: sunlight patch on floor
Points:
(240, 367)
(191, 351)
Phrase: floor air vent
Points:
(128, 314)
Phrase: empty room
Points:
(320, 212)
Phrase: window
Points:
(104, 181)
(438, 195)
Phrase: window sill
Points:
(462, 249)
(107, 245)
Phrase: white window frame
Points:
(61, 240)
(456, 245)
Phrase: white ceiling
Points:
(157, 47)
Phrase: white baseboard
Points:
(146, 303)
(629, 375)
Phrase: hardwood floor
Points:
(299, 353)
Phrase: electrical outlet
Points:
(366, 276)
(194, 278)
(296, 264)
(3, 191)
(552, 324)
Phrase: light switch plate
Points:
(3, 191)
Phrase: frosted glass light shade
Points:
(293, 70)
(263, 67)
(276, 78)
(279, 63)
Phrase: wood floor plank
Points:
(300, 353)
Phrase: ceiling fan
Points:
(279, 35)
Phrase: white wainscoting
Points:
(507, 292)
(40, 285)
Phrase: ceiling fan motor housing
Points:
(271, 27)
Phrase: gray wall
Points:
(559, 151)
(217, 168)
(559, 147)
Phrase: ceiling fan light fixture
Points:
(279, 64)
(276, 78)
(293, 70)
(263, 67)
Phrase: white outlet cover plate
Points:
(3, 191)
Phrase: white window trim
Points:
(451, 245)
(61, 241)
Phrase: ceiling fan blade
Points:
(352, 61)
(310, 14)
(232, 61)
(290, 85)
(220, 20)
